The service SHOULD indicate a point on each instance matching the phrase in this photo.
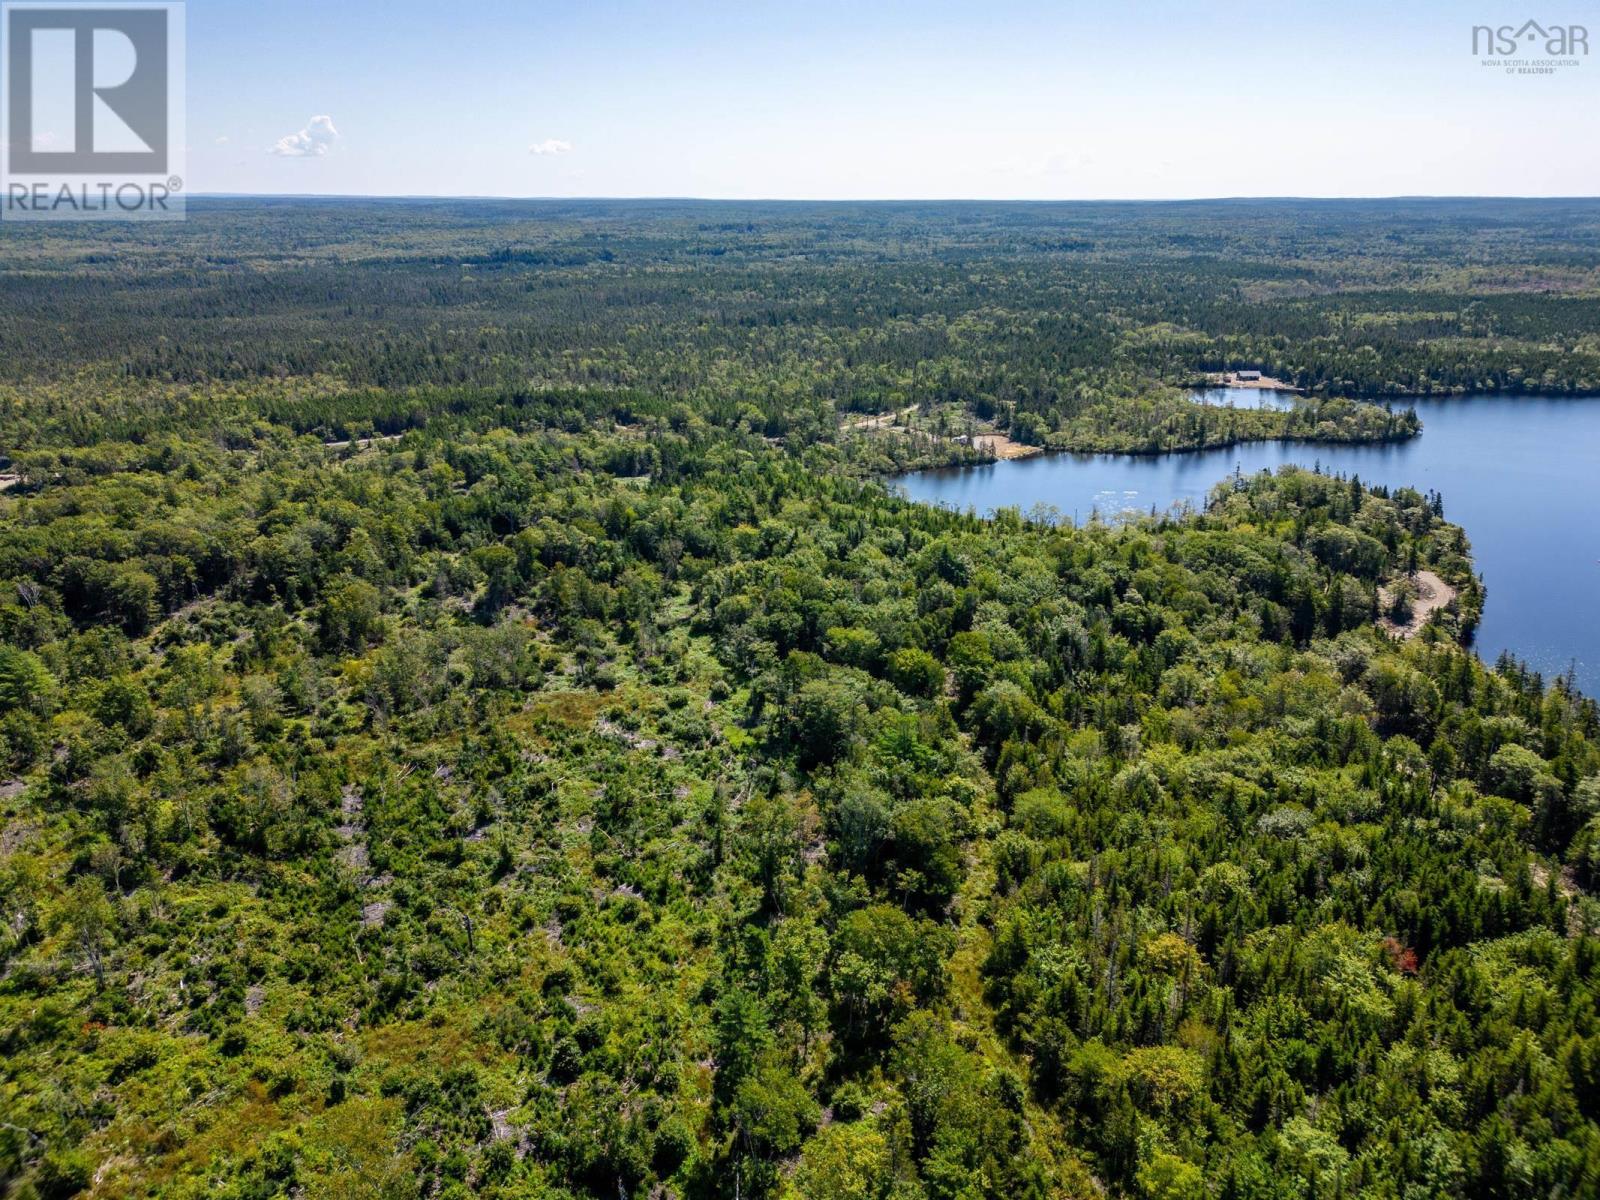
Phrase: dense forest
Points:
(1067, 325)
(474, 721)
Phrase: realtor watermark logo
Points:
(91, 111)
(1531, 48)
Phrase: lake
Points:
(1245, 397)
(1521, 475)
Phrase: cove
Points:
(1521, 474)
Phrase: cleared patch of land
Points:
(1433, 594)
(1265, 382)
(362, 443)
(882, 420)
(989, 441)
(999, 445)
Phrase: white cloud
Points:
(311, 142)
(223, 140)
(550, 146)
(43, 141)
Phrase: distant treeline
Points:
(779, 317)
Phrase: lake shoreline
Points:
(1038, 452)
(1516, 472)
(1381, 398)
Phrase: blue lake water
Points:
(1521, 475)
(1244, 397)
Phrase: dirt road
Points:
(1433, 594)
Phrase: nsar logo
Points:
(1531, 48)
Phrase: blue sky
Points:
(879, 100)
